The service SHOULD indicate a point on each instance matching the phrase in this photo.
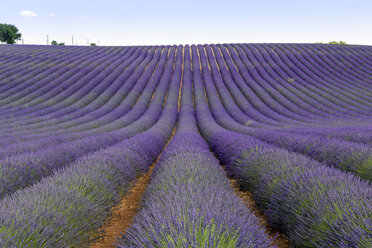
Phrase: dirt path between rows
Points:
(281, 241)
(123, 213)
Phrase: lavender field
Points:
(290, 123)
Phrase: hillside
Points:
(288, 124)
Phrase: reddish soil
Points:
(280, 241)
(123, 213)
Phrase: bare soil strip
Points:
(281, 241)
(123, 213)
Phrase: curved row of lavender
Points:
(314, 204)
(66, 208)
(189, 202)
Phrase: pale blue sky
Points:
(141, 22)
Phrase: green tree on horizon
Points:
(9, 33)
(333, 42)
(337, 42)
(55, 43)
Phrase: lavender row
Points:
(362, 134)
(347, 156)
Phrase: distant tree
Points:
(9, 33)
(337, 42)
(93, 44)
(55, 43)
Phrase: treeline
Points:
(333, 42)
